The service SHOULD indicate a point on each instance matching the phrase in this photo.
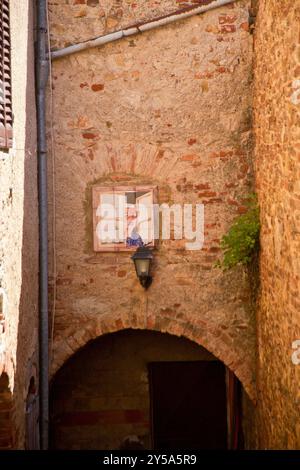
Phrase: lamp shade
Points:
(142, 259)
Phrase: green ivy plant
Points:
(241, 241)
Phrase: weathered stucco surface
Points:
(170, 107)
(277, 133)
(18, 237)
(73, 21)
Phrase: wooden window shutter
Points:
(5, 78)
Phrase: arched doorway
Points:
(7, 410)
(32, 417)
(143, 389)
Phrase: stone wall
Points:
(277, 151)
(99, 406)
(18, 236)
(171, 107)
(73, 21)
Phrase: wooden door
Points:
(188, 405)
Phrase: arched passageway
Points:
(143, 389)
(7, 410)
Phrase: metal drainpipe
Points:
(42, 72)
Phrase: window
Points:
(123, 217)
(5, 78)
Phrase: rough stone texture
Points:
(277, 152)
(98, 406)
(74, 21)
(170, 107)
(18, 236)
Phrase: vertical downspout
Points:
(42, 72)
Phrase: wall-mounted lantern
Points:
(142, 259)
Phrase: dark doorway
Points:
(188, 405)
(100, 397)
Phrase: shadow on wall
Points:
(27, 340)
(7, 434)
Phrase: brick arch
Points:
(213, 340)
(7, 428)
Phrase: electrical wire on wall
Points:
(53, 159)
